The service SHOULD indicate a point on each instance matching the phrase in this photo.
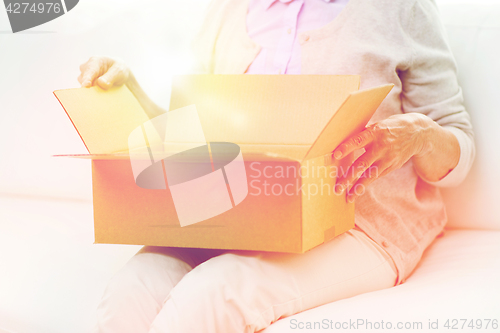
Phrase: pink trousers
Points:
(197, 290)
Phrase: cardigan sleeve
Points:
(430, 84)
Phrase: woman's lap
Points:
(195, 290)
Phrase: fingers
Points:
(90, 71)
(356, 142)
(116, 75)
(389, 144)
(340, 167)
(355, 171)
(103, 71)
(87, 79)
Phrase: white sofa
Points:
(52, 275)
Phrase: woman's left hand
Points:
(388, 145)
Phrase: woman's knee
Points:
(136, 293)
(222, 292)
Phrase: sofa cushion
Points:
(52, 275)
(456, 279)
(473, 29)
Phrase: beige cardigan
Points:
(384, 41)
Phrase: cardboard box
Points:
(286, 127)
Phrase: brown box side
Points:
(324, 213)
(127, 214)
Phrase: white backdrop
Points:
(152, 36)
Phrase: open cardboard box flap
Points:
(271, 117)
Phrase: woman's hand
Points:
(105, 72)
(389, 144)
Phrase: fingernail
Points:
(338, 189)
(337, 155)
(342, 188)
(351, 198)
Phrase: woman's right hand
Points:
(105, 72)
